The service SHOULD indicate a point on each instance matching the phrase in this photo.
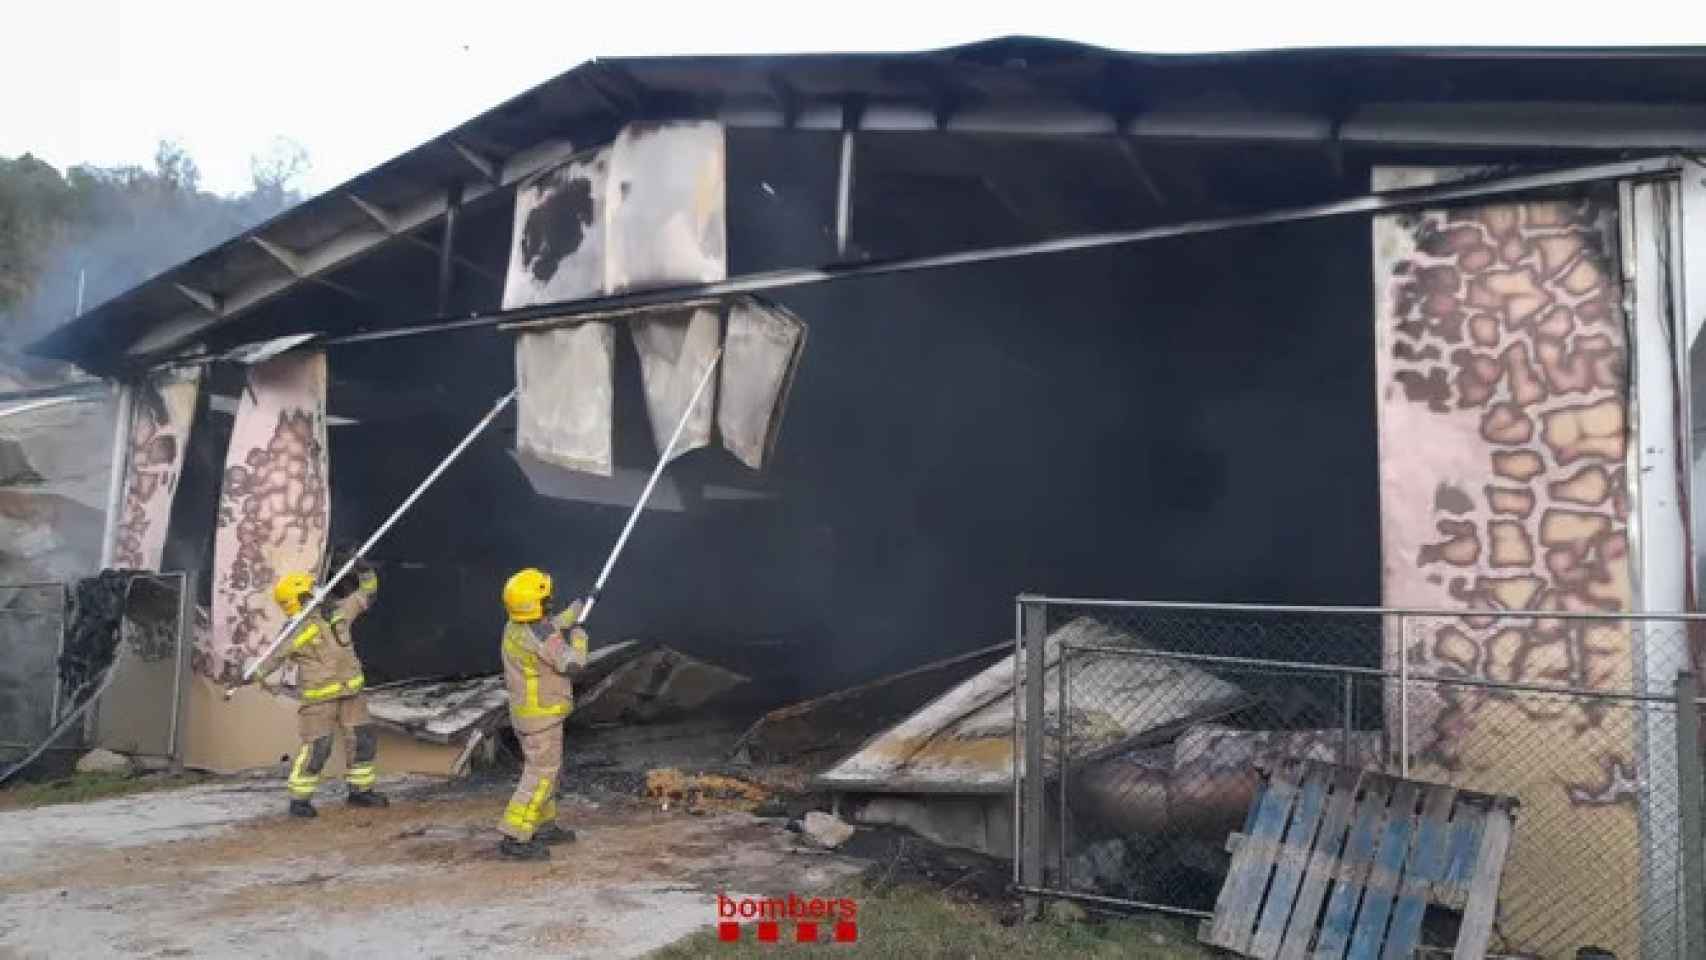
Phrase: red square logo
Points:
(728, 932)
(805, 933)
(846, 932)
(768, 931)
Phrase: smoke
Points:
(92, 233)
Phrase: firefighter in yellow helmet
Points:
(331, 682)
(538, 661)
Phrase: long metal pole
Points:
(324, 588)
(657, 471)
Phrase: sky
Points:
(359, 81)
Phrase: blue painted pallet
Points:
(1338, 864)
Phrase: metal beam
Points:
(1028, 771)
(844, 195)
(201, 298)
(375, 212)
(1546, 125)
(447, 247)
(787, 98)
(1368, 204)
(385, 221)
(44, 403)
(487, 168)
(1543, 125)
(1141, 171)
(340, 251)
(289, 260)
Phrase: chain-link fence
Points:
(1155, 718)
(32, 621)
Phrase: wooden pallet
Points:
(1336, 863)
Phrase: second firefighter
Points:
(539, 660)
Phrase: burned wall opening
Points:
(1190, 419)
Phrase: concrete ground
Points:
(217, 870)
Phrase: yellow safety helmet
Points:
(525, 594)
(290, 590)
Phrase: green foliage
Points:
(80, 787)
(117, 226)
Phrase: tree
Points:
(175, 167)
(277, 169)
(109, 228)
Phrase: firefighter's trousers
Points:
(318, 724)
(534, 802)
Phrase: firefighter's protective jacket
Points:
(538, 662)
(323, 647)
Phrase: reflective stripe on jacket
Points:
(537, 660)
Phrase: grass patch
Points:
(80, 787)
(913, 921)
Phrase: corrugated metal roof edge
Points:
(81, 340)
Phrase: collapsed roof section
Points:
(339, 255)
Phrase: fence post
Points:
(1404, 697)
(1348, 709)
(1691, 798)
(1034, 617)
(1062, 745)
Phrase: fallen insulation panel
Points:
(963, 741)
(844, 719)
(438, 711)
(629, 681)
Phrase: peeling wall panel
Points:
(159, 435)
(761, 355)
(675, 349)
(273, 507)
(646, 211)
(557, 242)
(665, 212)
(565, 376)
(1502, 356)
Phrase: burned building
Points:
(1407, 328)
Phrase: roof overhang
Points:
(1489, 100)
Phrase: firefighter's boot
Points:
(303, 809)
(368, 798)
(513, 849)
(552, 835)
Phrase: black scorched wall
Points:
(1191, 419)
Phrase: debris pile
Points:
(629, 682)
(1163, 758)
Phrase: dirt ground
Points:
(216, 870)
